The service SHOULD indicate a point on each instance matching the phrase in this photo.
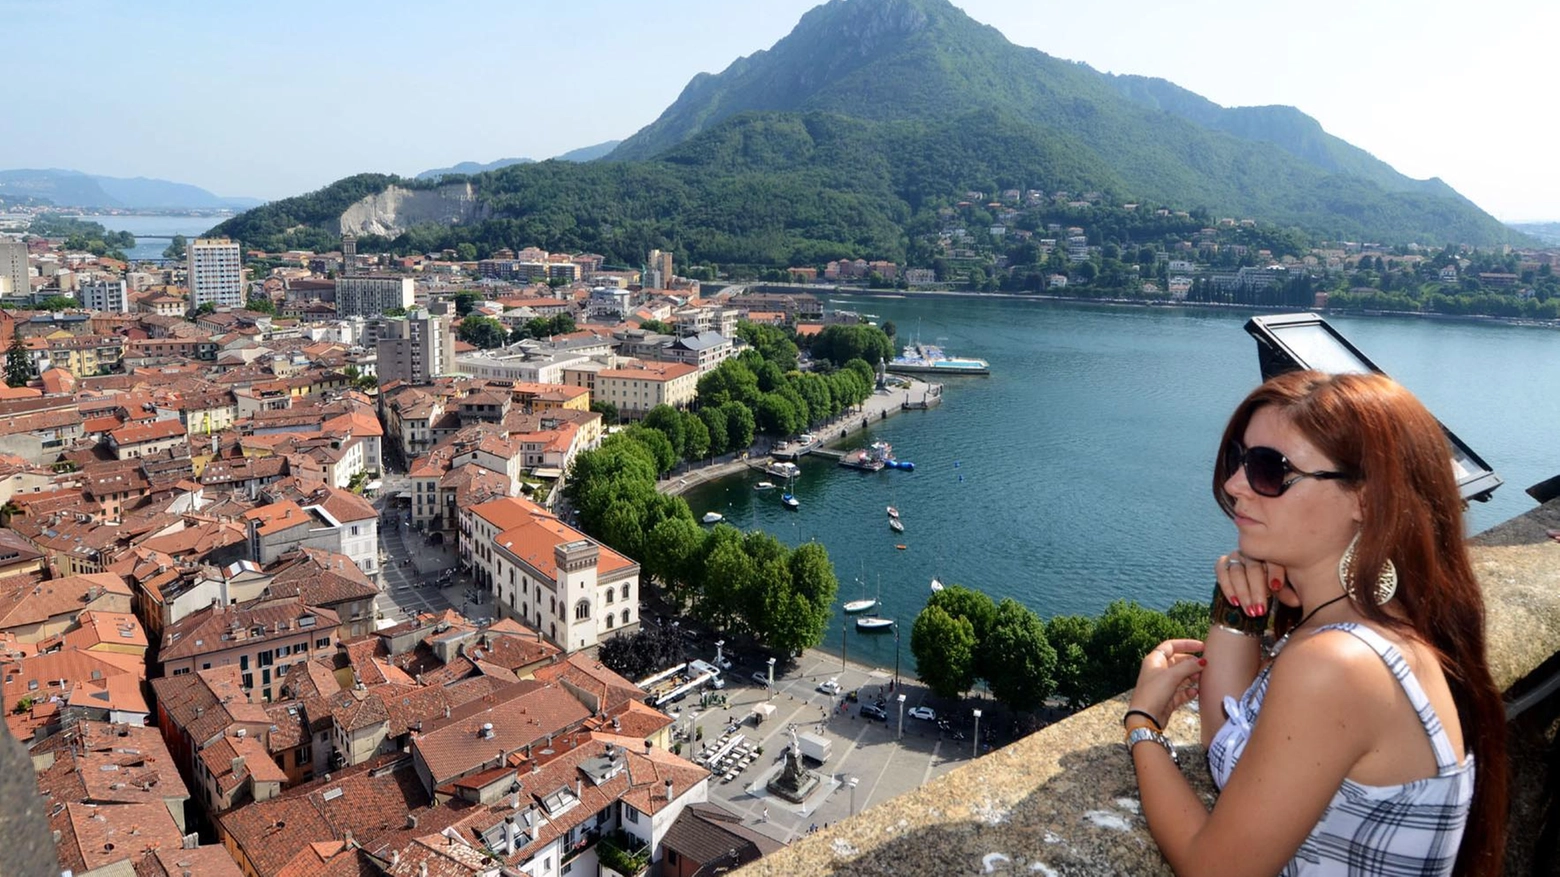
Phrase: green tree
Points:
(1069, 636)
(658, 327)
(484, 332)
(18, 367)
(465, 301)
(840, 343)
(608, 411)
(261, 304)
(1122, 636)
(715, 428)
(58, 303)
(772, 343)
(945, 651)
(657, 443)
(175, 249)
(696, 437)
(673, 555)
(561, 324)
(1017, 660)
(396, 311)
(670, 423)
(466, 251)
(1192, 616)
(776, 416)
(731, 381)
(740, 426)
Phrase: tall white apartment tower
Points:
(216, 273)
(13, 267)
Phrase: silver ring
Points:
(1234, 562)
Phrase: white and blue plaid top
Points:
(1408, 829)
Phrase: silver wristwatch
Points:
(1140, 735)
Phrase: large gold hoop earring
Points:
(1386, 583)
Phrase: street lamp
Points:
(771, 678)
(901, 700)
(719, 644)
(851, 781)
(976, 753)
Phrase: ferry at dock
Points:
(931, 359)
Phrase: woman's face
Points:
(1307, 528)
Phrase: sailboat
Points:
(790, 501)
(895, 525)
(861, 605)
(893, 512)
(874, 623)
(937, 584)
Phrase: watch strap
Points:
(1141, 735)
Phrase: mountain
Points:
(68, 188)
(895, 60)
(1548, 232)
(471, 167)
(846, 139)
(584, 153)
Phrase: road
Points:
(416, 576)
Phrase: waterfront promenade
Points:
(881, 405)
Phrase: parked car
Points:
(717, 682)
(761, 678)
(831, 686)
(723, 662)
(873, 711)
(924, 713)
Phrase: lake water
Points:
(163, 225)
(1079, 472)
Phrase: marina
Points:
(931, 359)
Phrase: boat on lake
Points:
(873, 624)
(764, 485)
(931, 359)
(783, 469)
(895, 525)
(937, 584)
(871, 458)
(893, 512)
(713, 517)
(865, 602)
(790, 502)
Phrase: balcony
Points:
(580, 845)
(623, 855)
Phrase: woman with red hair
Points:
(1369, 738)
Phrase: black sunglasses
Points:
(1268, 471)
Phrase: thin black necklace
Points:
(1314, 611)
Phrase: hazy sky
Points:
(274, 98)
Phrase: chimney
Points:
(648, 745)
(395, 857)
(422, 869)
(487, 731)
(346, 839)
(411, 821)
(446, 711)
(579, 789)
(238, 764)
(668, 790)
(511, 836)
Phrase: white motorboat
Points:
(764, 485)
(893, 512)
(713, 517)
(937, 584)
(895, 525)
(791, 502)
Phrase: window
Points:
(609, 621)
(625, 616)
(609, 595)
(582, 610)
(625, 590)
(631, 813)
(179, 672)
(248, 680)
(206, 665)
(323, 643)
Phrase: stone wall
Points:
(1064, 800)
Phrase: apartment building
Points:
(216, 273)
(107, 296)
(416, 348)
(640, 386)
(13, 268)
(372, 295)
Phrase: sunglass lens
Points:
(1265, 471)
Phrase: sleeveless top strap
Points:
(1445, 759)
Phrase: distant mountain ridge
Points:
(886, 60)
(69, 188)
(1548, 232)
(846, 137)
(584, 153)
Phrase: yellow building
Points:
(640, 386)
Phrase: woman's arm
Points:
(1316, 723)
(1233, 658)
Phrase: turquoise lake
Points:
(1079, 472)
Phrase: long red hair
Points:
(1375, 430)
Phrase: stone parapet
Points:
(1064, 800)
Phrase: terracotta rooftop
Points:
(32, 602)
(219, 628)
(98, 836)
(157, 430)
(208, 702)
(527, 713)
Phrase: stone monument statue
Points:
(794, 782)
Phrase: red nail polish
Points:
(1202, 662)
(1262, 610)
(1235, 601)
(1278, 584)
